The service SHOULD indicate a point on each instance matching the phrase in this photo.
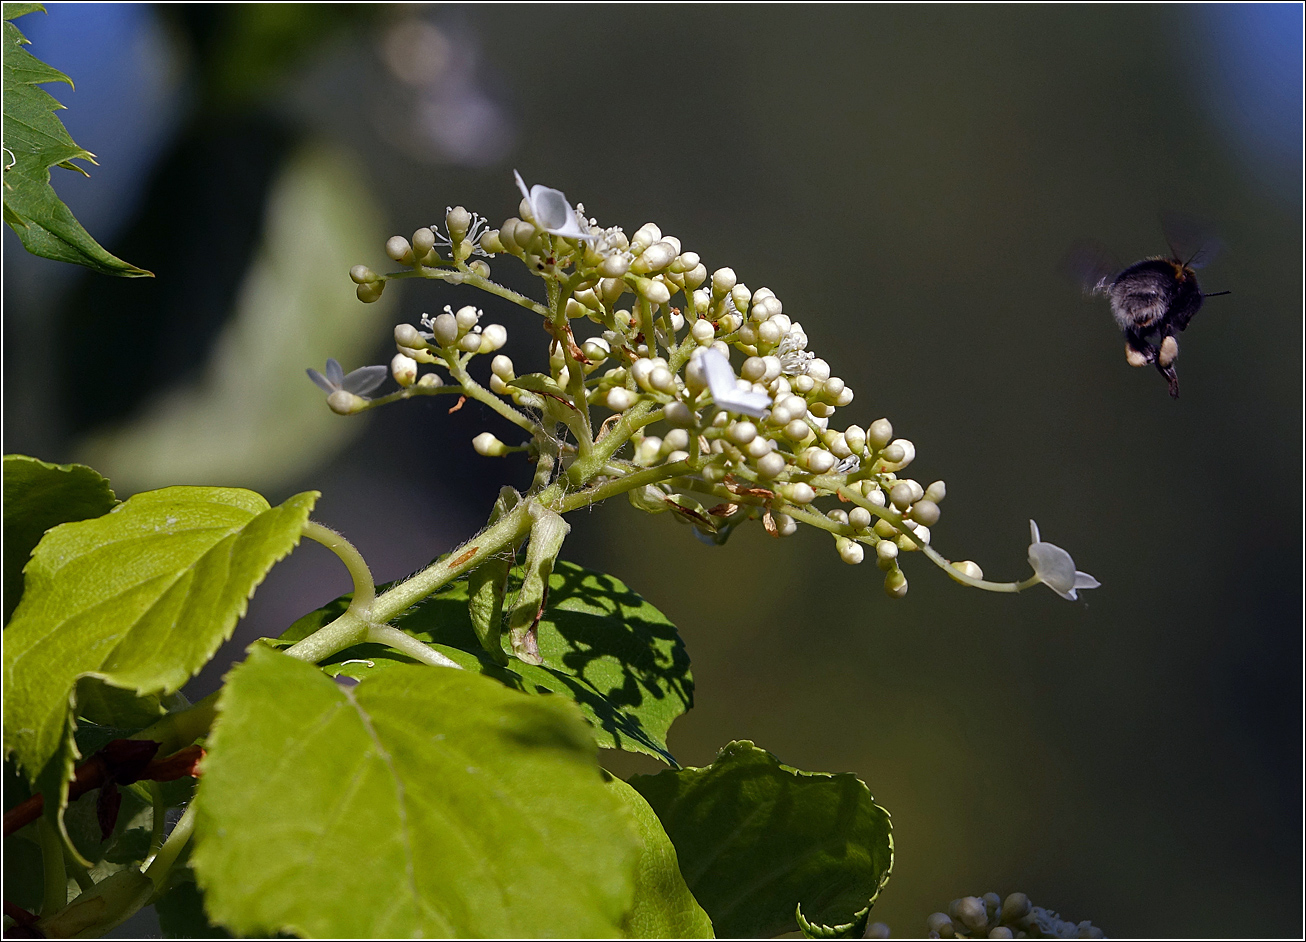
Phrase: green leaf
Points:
(34, 141)
(664, 908)
(548, 530)
(182, 916)
(756, 839)
(140, 598)
(38, 496)
(425, 801)
(603, 646)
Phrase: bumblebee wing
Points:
(1091, 265)
(1192, 240)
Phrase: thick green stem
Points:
(54, 897)
(167, 856)
(407, 644)
(593, 495)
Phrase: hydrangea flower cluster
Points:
(642, 396)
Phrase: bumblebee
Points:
(1152, 300)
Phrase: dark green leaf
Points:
(139, 598)
(424, 801)
(38, 496)
(603, 646)
(664, 908)
(182, 916)
(756, 839)
(130, 846)
(23, 876)
(34, 141)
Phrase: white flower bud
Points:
(781, 320)
(797, 431)
(675, 456)
(895, 584)
(879, 434)
(798, 493)
(818, 369)
(859, 518)
(467, 317)
(489, 446)
(523, 233)
(406, 335)
(641, 370)
(596, 349)
(677, 439)
(397, 248)
(702, 332)
(677, 320)
(403, 369)
(433, 381)
(758, 447)
(850, 551)
(845, 397)
(611, 289)
(740, 295)
(771, 464)
(647, 451)
(741, 433)
(886, 550)
(816, 460)
(729, 322)
(662, 380)
(457, 220)
(785, 525)
(803, 384)
(423, 242)
(645, 236)
(497, 386)
(969, 568)
(470, 343)
(748, 335)
(501, 366)
(926, 512)
(936, 491)
(445, 329)
(362, 275)
(491, 243)
(656, 291)
(773, 368)
(493, 337)
(821, 410)
(831, 388)
(903, 454)
(345, 403)
(614, 266)
(695, 376)
(753, 370)
(838, 445)
(901, 495)
(723, 279)
(893, 453)
(678, 415)
(695, 276)
(619, 399)
(655, 258)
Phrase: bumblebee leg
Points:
(1138, 352)
(1171, 377)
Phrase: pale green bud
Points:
(785, 525)
(470, 343)
(859, 518)
(491, 243)
(741, 433)
(619, 399)
(467, 317)
(703, 332)
(695, 276)
(723, 279)
(575, 309)
(797, 431)
(645, 236)
(370, 292)
(432, 381)
(895, 584)
(885, 530)
(488, 445)
(740, 295)
(677, 439)
(798, 493)
(647, 451)
(970, 568)
(816, 460)
(855, 436)
(523, 233)
(596, 349)
(678, 414)
(445, 329)
(611, 289)
(345, 403)
(406, 335)
(893, 454)
(926, 512)
(362, 275)
(656, 291)
(936, 491)
(901, 495)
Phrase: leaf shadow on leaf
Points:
(603, 647)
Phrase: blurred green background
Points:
(906, 179)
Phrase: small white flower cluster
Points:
(757, 444)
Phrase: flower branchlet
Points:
(641, 396)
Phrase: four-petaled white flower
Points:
(552, 212)
(1055, 569)
(360, 382)
(725, 386)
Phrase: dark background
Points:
(906, 180)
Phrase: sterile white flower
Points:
(360, 382)
(551, 210)
(726, 391)
(1055, 569)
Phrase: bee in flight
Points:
(1152, 300)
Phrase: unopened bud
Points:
(345, 403)
(879, 434)
(403, 369)
(397, 248)
(798, 493)
(936, 492)
(445, 329)
(489, 446)
(457, 220)
(926, 512)
(771, 464)
(423, 242)
(493, 337)
(859, 518)
(785, 525)
(850, 551)
(678, 415)
(370, 292)
(969, 568)
(406, 335)
(723, 279)
(703, 332)
(895, 584)
(362, 275)
(619, 399)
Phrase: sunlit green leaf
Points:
(140, 598)
(603, 646)
(757, 839)
(664, 908)
(34, 141)
(424, 801)
(37, 496)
